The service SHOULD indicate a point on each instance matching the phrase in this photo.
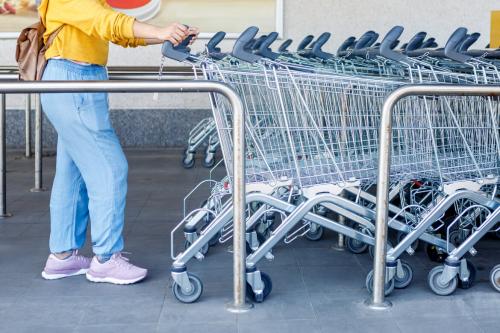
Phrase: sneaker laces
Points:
(124, 262)
(79, 257)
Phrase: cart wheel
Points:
(472, 276)
(188, 160)
(415, 244)
(456, 238)
(356, 246)
(193, 295)
(209, 160)
(203, 250)
(389, 286)
(435, 254)
(268, 287)
(405, 280)
(316, 234)
(495, 277)
(439, 288)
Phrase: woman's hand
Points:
(174, 33)
(193, 31)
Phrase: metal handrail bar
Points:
(124, 70)
(377, 301)
(239, 252)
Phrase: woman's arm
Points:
(95, 19)
(174, 33)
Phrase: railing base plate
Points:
(386, 305)
(239, 309)
(337, 247)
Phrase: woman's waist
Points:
(74, 70)
(74, 65)
(74, 61)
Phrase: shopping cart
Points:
(204, 132)
(314, 135)
(425, 69)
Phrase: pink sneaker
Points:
(116, 270)
(56, 268)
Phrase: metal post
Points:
(340, 246)
(239, 303)
(38, 146)
(377, 301)
(27, 126)
(3, 158)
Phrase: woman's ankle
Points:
(63, 255)
(102, 258)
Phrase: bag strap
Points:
(52, 37)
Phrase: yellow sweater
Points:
(89, 26)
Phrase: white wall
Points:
(352, 17)
(341, 17)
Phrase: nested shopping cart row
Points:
(312, 129)
(356, 57)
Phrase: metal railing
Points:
(121, 72)
(377, 301)
(167, 86)
(10, 73)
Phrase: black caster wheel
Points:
(472, 276)
(495, 278)
(315, 235)
(456, 238)
(268, 287)
(405, 280)
(188, 160)
(435, 254)
(389, 286)
(191, 296)
(439, 288)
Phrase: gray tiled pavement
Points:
(316, 289)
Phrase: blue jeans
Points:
(91, 168)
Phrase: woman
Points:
(91, 169)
